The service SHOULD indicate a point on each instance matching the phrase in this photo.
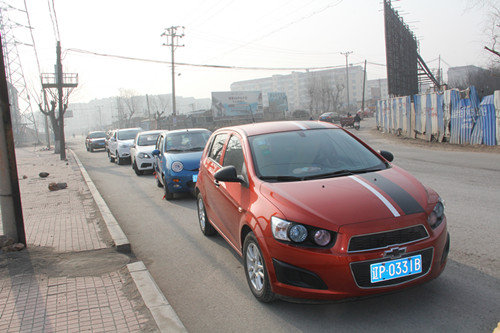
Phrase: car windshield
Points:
(187, 141)
(147, 139)
(127, 134)
(97, 135)
(302, 155)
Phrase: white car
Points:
(140, 152)
(120, 143)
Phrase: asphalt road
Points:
(203, 278)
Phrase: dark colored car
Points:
(177, 159)
(330, 117)
(316, 213)
(95, 140)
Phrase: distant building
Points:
(105, 113)
(377, 89)
(458, 76)
(297, 85)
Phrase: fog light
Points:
(175, 180)
(322, 237)
(176, 186)
(298, 233)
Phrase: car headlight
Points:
(300, 233)
(322, 237)
(177, 166)
(143, 155)
(436, 216)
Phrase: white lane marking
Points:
(301, 127)
(380, 196)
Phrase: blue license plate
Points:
(195, 178)
(393, 269)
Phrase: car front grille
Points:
(384, 239)
(361, 270)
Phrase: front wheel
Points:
(111, 158)
(255, 270)
(136, 169)
(206, 228)
(168, 195)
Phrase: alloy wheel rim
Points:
(255, 267)
(201, 214)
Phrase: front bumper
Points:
(144, 164)
(123, 152)
(97, 145)
(335, 274)
(181, 181)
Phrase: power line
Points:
(73, 50)
(282, 27)
(53, 23)
(57, 22)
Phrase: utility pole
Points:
(149, 111)
(347, 74)
(173, 41)
(364, 82)
(10, 196)
(59, 81)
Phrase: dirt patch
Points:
(39, 260)
(435, 145)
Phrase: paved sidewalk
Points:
(69, 279)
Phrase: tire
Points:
(87, 147)
(136, 169)
(118, 159)
(253, 260)
(91, 149)
(205, 226)
(168, 195)
(158, 182)
(111, 158)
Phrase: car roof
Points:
(97, 132)
(127, 129)
(152, 132)
(279, 126)
(187, 130)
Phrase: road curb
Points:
(120, 240)
(163, 313)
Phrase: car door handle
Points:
(216, 183)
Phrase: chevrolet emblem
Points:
(395, 252)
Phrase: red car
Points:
(316, 213)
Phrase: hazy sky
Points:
(272, 33)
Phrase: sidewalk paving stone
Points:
(59, 284)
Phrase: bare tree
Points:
(128, 105)
(160, 105)
(323, 95)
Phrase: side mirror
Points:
(227, 174)
(155, 152)
(387, 155)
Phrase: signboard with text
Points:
(236, 103)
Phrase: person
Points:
(357, 118)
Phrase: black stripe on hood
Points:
(403, 199)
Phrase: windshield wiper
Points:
(195, 148)
(339, 173)
(174, 150)
(282, 178)
(330, 174)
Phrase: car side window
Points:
(234, 156)
(217, 145)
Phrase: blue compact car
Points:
(177, 157)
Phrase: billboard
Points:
(236, 103)
(401, 51)
(278, 102)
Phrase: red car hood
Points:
(333, 202)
